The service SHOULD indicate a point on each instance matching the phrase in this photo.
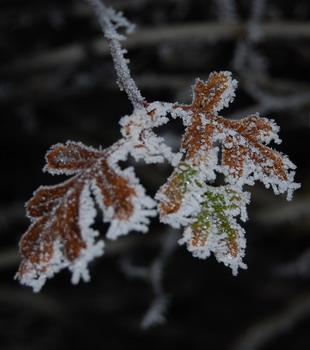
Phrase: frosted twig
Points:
(257, 11)
(133, 271)
(156, 312)
(153, 275)
(155, 315)
(246, 57)
(110, 21)
(248, 61)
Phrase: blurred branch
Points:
(206, 32)
(153, 275)
(298, 209)
(226, 10)
(110, 22)
(11, 214)
(37, 302)
(298, 268)
(9, 258)
(262, 333)
(51, 86)
(275, 104)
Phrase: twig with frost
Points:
(152, 274)
(247, 58)
(111, 22)
(156, 313)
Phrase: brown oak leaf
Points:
(60, 234)
(236, 148)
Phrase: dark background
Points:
(57, 83)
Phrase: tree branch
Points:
(110, 21)
(204, 32)
(265, 331)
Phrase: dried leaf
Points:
(61, 234)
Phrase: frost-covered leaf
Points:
(236, 148)
(215, 94)
(215, 228)
(246, 156)
(173, 192)
(60, 234)
(70, 158)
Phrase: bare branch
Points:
(290, 212)
(203, 32)
(298, 268)
(153, 275)
(226, 10)
(10, 214)
(263, 332)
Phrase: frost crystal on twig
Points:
(110, 22)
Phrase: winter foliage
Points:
(61, 234)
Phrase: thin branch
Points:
(202, 32)
(298, 268)
(153, 275)
(295, 211)
(11, 214)
(9, 258)
(226, 10)
(262, 333)
(276, 103)
(156, 313)
(110, 21)
(42, 304)
(257, 10)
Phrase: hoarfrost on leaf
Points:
(215, 228)
(236, 148)
(61, 234)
